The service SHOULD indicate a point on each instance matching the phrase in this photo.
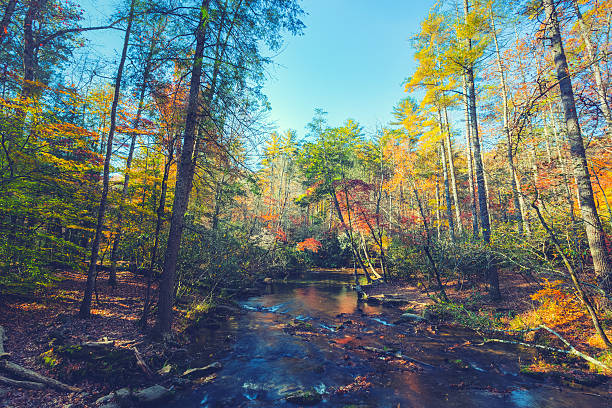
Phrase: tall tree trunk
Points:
(112, 278)
(438, 205)
(451, 167)
(447, 196)
(184, 179)
(602, 92)
(95, 247)
(594, 230)
(479, 169)
(519, 208)
(470, 159)
(158, 226)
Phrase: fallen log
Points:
(28, 374)
(22, 384)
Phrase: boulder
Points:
(152, 395)
(202, 371)
(123, 397)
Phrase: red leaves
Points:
(310, 244)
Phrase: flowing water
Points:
(343, 351)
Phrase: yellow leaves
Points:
(556, 307)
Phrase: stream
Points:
(310, 333)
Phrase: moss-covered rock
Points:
(108, 364)
(307, 398)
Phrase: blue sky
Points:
(350, 61)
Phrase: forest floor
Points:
(47, 318)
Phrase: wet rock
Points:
(409, 318)
(123, 396)
(374, 300)
(202, 371)
(153, 395)
(307, 398)
(105, 399)
(394, 302)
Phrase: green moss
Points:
(49, 359)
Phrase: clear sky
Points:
(351, 62)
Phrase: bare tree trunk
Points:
(158, 226)
(438, 205)
(594, 230)
(602, 92)
(447, 196)
(451, 166)
(427, 246)
(519, 209)
(470, 160)
(479, 168)
(184, 180)
(95, 247)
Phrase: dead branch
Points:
(142, 364)
(572, 350)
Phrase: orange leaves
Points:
(557, 307)
(310, 244)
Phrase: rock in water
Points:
(202, 371)
(307, 398)
(409, 318)
(153, 395)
